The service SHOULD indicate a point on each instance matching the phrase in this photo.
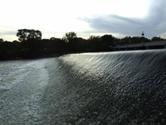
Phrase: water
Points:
(93, 88)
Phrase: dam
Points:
(112, 88)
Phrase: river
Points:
(114, 88)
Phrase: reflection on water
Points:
(119, 88)
(111, 88)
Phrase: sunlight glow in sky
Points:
(55, 17)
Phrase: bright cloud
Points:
(60, 16)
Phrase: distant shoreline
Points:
(32, 46)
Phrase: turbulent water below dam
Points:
(116, 88)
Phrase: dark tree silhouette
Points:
(108, 41)
(157, 39)
(52, 38)
(29, 34)
(33, 46)
(108, 38)
(70, 36)
(94, 38)
(1, 40)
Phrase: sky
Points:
(85, 17)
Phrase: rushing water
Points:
(93, 88)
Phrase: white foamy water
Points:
(22, 86)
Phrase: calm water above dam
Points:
(118, 88)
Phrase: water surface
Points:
(92, 88)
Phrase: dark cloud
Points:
(154, 24)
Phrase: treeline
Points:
(31, 44)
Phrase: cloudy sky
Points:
(86, 17)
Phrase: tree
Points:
(94, 38)
(52, 38)
(157, 39)
(29, 34)
(70, 36)
(1, 40)
(109, 40)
